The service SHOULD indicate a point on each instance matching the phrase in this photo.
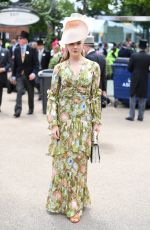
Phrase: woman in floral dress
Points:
(73, 112)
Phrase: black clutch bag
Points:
(95, 151)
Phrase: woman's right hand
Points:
(55, 133)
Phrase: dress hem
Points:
(64, 213)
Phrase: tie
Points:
(22, 53)
(40, 57)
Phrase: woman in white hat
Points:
(73, 112)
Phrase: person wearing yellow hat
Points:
(73, 113)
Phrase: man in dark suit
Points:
(4, 66)
(43, 55)
(14, 44)
(92, 55)
(25, 69)
(139, 65)
(125, 51)
(11, 87)
(44, 58)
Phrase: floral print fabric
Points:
(68, 192)
(73, 105)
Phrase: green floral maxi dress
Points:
(73, 105)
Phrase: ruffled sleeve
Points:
(53, 97)
(96, 96)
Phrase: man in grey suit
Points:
(4, 66)
(139, 65)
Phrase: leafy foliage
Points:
(135, 7)
(94, 7)
(51, 14)
(4, 3)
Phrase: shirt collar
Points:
(41, 51)
(24, 47)
(91, 50)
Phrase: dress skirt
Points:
(68, 192)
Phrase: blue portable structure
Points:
(122, 79)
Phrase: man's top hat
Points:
(143, 44)
(24, 35)
(40, 42)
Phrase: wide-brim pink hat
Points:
(75, 29)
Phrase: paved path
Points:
(119, 186)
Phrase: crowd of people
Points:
(138, 61)
(21, 61)
(78, 88)
(19, 66)
(16, 60)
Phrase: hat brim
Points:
(75, 30)
(23, 37)
(88, 43)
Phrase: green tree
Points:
(51, 14)
(136, 8)
(4, 3)
(94, 7)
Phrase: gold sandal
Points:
(76, 218)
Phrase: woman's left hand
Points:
(96, 128)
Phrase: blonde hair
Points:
(66, 54)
